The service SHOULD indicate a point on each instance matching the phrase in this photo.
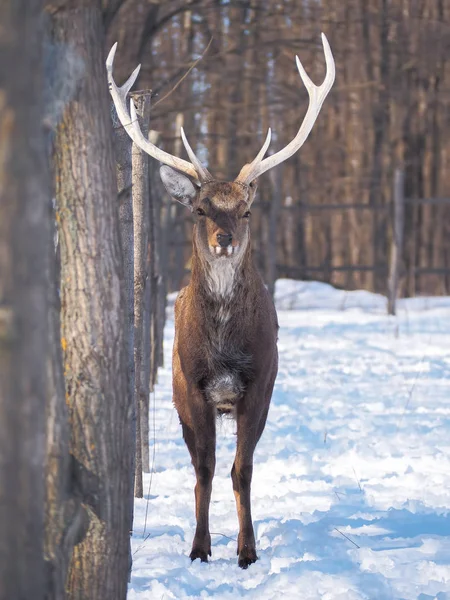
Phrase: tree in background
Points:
(389, 108)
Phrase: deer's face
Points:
(222, 218)
(221, 209)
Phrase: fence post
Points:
(397, 242)
(140, 196)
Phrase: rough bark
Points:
(66, 519)
(24, 250)
(122, 151)
(92, 316)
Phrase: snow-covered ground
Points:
(351, 486)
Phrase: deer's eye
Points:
(246, 215)
(201, 212)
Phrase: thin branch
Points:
(142, 545)
(411, 391)
(347, 538)
(194, 64)
(357, 480)
(223, 535)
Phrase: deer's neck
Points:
(221, 278)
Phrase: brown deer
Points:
(225, 356)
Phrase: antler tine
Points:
(261, 153)
(119, 94)
(205, 175)
(131, 79)
(317, 95)
(130, 123)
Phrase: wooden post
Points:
(148, 343)
(140, 225)
(397, 242)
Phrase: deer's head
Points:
(222, 209)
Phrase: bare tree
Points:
(389, 107)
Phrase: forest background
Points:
(389, 108)
(80, 328)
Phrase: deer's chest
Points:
(225, 344)
(228, 363)
(213, 342)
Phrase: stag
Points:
(225, 357)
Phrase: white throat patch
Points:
(220, 276)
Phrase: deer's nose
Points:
(224, 239)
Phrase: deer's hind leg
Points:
(200, 438)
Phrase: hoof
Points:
(247, 556)
(201, 554)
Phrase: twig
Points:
(142, 545)
(223, 535)
(153, 462)
(194, 64)
(411, 391)
(357, 480)
(347, 538)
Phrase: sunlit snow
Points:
(351, 486)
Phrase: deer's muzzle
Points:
(224, 239)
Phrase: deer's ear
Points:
(179, 186)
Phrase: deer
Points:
(225, 357)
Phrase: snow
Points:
(351, 486)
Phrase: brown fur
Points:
(225, 356)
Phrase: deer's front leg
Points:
(204, 461)
(248, 434)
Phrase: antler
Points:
(131, 125)
(317, 95)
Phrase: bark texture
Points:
(24, 246)
(66, 519)
(122, 151)
(92, 316)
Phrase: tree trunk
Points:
(66, 519)
(122, 152)
(93, 316)
(24, 250)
